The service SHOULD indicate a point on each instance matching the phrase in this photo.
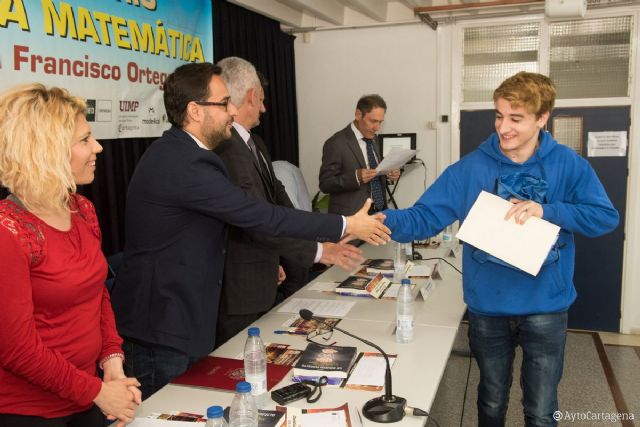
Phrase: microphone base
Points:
(380, 410)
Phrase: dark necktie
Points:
(253, 149)
(264, 170)
(377, 193)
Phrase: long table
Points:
(416, 372)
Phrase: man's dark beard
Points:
(215, 138)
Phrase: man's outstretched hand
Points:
(342, 254)
(369, 228)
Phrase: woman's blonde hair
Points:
(37, 126)
(533, 91)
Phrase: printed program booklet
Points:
(364, 286)
(299, 326)
(280, 354)
(368, 372)
(325, 417)
(331, 361)
(266, 418)
(375, 266)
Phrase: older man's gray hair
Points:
(239, 75)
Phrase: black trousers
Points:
(89, 418)
(229, 325)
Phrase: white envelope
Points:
(522, 245)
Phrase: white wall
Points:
(630, 323)
(337, 67)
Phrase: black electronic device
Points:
(383, 409)
(390, 141)
(290, 393)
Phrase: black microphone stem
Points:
(383, 409)
(387, 392)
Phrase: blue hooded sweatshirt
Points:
(575, 201)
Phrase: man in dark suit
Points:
(252, 263)
(167, 291)
(349, 159)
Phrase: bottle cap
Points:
(405, 281)
(214, 412)
(254, 332)
(243, 387)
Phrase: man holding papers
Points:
(520, 162)
(349, 160)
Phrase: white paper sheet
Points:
(295, 418)
(148, 422)
(607, 144)
(324, 419)
(422, 270)
(319, 307)
(394, 160)
(370, 370)
(522, 245)
(323, 286)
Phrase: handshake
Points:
(363, 226)
(369, 228)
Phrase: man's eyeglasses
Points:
(224, 104)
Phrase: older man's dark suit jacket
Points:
(341, 156)
(178, 203)
(251, 265)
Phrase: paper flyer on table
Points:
(522, 245)
(319, 307)
(394, 160)
(323, 286)
(148, 422)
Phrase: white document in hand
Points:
(394, 159)
(522, 245)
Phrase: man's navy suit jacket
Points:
(168, 288)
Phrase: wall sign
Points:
(114, 53)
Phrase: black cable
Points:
(421, 162)
(317, 387)
(392, 192)
(452, 266)
(420, 413)
(466, 387)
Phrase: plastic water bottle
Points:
(447, 237)
(243, 411)
(408, 250)
(404, 313)
(215, 417)
(399, 263)
(255, 366)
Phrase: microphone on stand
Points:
(383, 409)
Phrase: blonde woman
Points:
(56, 325)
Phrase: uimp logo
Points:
(129, 106)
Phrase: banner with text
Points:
(116, 54)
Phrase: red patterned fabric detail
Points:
(28, 229)
(21, 223)
(87, 212)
